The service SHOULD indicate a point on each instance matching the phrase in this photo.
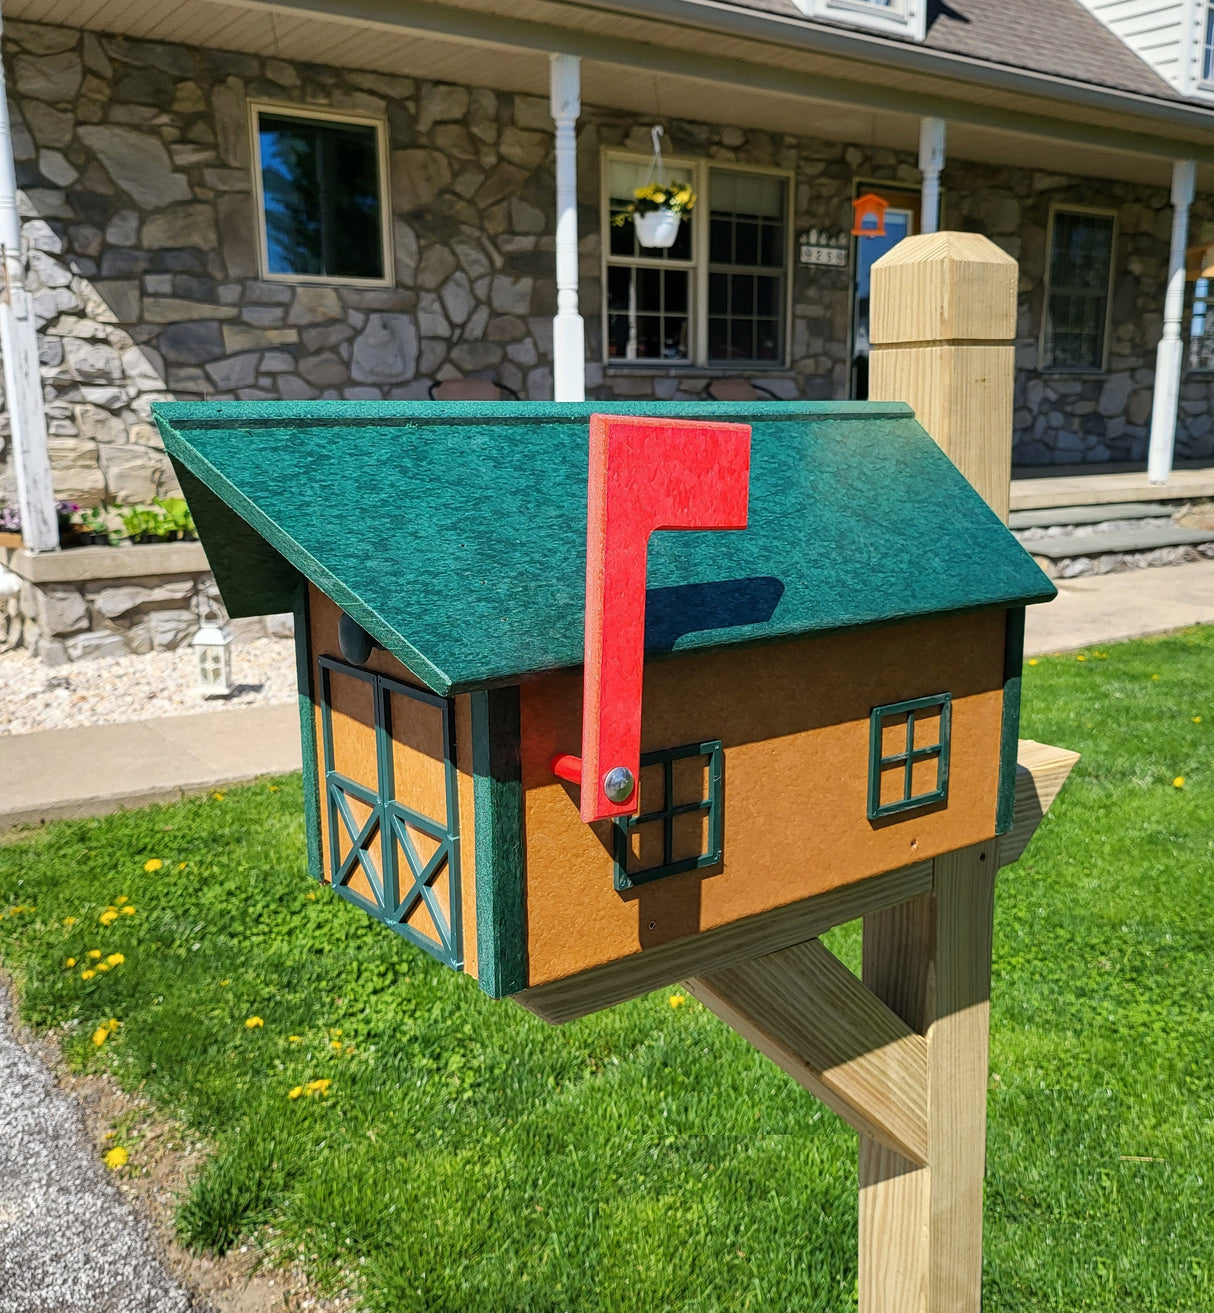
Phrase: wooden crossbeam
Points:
(1041, 771)
(808, 1013)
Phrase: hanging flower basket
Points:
(659, 229)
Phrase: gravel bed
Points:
(68, 1239)
(35, 696)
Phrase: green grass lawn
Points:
(467, 1157)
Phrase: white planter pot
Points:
(658, 228)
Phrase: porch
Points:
(498, 142)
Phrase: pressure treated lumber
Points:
(808, 1013)
(921, 1226)
(566, 1000)
(1041, 771)
(942, 330)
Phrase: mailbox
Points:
(580, 682)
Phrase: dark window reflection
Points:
(320, 184)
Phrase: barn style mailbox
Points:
(544, 745)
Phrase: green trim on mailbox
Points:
(500, 859)
(455, 532)
(942, 703)
(307, 730)
(1009, 744)
(670, 865)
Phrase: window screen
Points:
(1081, 254)
(320, 185)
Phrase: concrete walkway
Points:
(100, 768)
(1113, 607)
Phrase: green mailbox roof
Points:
(455, 532)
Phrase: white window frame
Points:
(904, 17)
(318, 114)
(1084, 371)
(697, 357)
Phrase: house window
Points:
(1207, 50)
(1078, 278)
(321, 184)
(679, 823)
(395, 857)
(719, 294)
(908, 755)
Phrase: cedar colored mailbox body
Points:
(829, 693)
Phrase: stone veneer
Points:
(133, 164)
(110, 601)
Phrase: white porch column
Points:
(568, 328)
(1169, 359)
(931, 161)
(22, 380)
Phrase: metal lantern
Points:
(213, 644)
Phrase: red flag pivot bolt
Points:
(645, 475)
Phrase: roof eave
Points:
(881, 50)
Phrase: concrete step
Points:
(1058, 516)
(1143, 536)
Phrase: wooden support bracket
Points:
(808, 1013)
(1041, 771)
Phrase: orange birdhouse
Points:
(868, 215)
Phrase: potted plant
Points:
(656, 210)
(94, 528)
(145, 524)
(179, 521)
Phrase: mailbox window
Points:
(679, 823)
(393, 845)
(908, 755)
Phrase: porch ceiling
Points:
(625, 68)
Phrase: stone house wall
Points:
(134, 167)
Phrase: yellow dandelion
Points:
(100, 1035)
(335, 1045)
(274, 788)
(677, 1000)
(1032, 661)
(181, 866)
(103, 966)
(335, 1032)
(252, 1023)
(314, 1087)
(1195, 719)
(218, 796)
(128, 910)
(1081, 658)
(1154, 676)
(311, 897)
(224, 983)
(109, 916)
(113, 1024)
(1178, 782)
(153, 864)
(87, 975)
(295, 1093)
(116, 1157)
(68, 922)
(93, 953)
(122, 898)
(294, 1039)
(115, 959)
(71, 962)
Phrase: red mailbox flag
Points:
(645, 475)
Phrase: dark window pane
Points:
(746, 241)
(681, 250)
(718, 338)
(1081, 253)
(675, 339)
(320, 188)
(649, 289)
(768, 290)
(676, 291)
(720, 246)
(649, 337)
(743, 299)
(619, 288)
(768, 344)
(623, 238)
(741, 339)
(771, 253)
(617, 336)
(718, 294)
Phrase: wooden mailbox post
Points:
(576, 788)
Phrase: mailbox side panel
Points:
(795, 724)
(395, 760)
